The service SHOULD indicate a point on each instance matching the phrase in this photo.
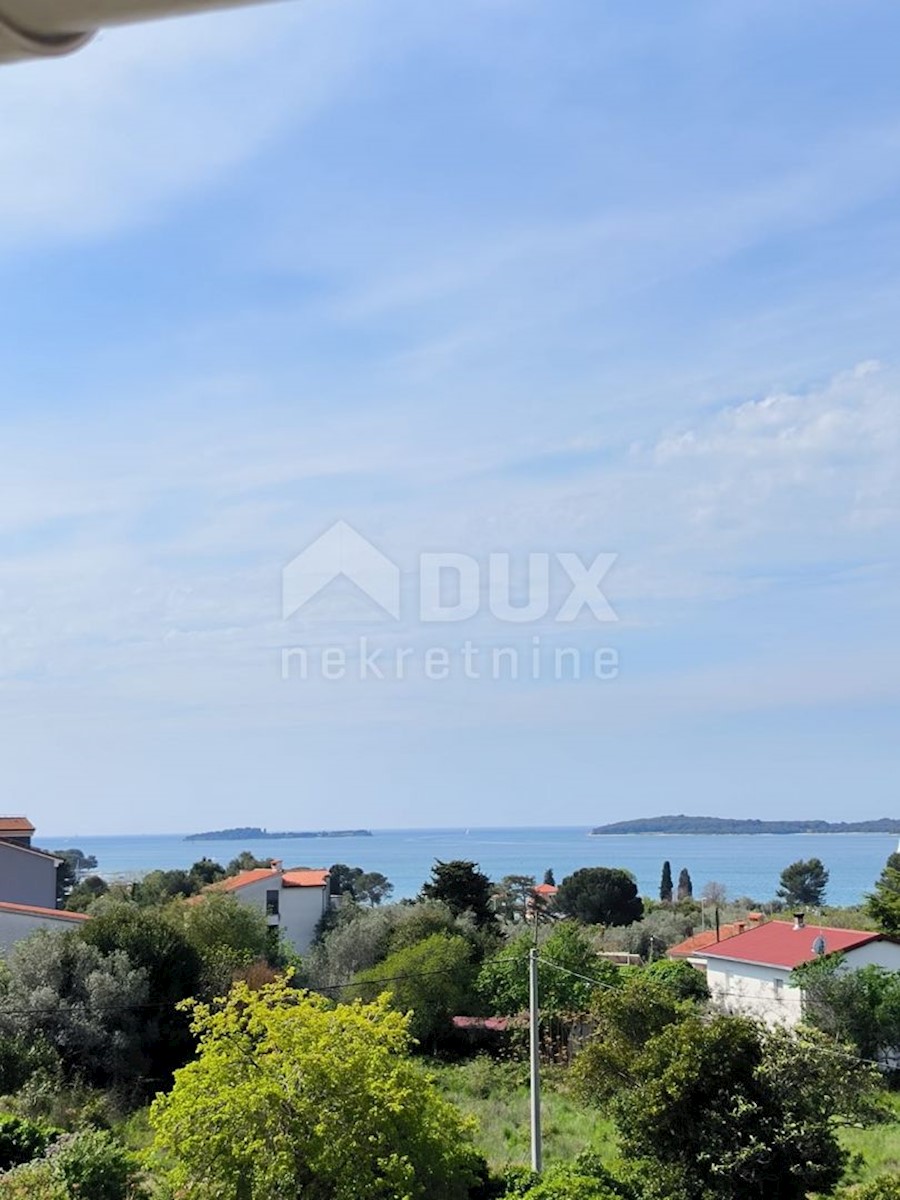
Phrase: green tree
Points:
(173, 970)
(291, 1095)
(803, 883)
(245, 861)
(344, 879)
(204, 872)
(432, 980)
(463, 888)
(513, 895)
(726, 1109)
(549, 878)
(227, 936)
(883, 904)
(685, 886)
(83, 894)
(600, 896)
(373, 887)
(861, 1007)
(625, 1019)
(88, 1005)
(503, 979)
(665, 883)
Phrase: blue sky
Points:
(494, 276)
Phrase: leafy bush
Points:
(21, 1140)
(585, 1179)
(683, 980)
(33, 1182)
(886, 1187)
(93, 1165)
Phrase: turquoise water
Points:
(748, 865)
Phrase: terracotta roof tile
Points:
(304, 878)
(35, 910)
(780, 944)
(244, 879)
(15, 825)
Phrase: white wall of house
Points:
(16, 926)
(766, 994)
(301, 910)
(763, 993)
(27, 877)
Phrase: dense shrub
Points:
(21, 1140)
(93, 1165)
(886, 1187)
(33, 1182)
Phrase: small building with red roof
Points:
(293, 901)
(693, 949)
(18, 921)
(749, 973)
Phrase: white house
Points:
(749, 974)
(293, 901)
(26, 876)
(17, 921)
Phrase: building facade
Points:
(292, 901)
(27, 876)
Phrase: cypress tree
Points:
(548, 877)
(685, 887)
(665, 883)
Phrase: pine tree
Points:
(665, 883)
(884, 903)
(685, 887)
(548, 878)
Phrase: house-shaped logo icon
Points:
(340, 552)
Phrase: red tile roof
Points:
(34, 910)
(780, 944)
(243, 879)
(17, 825)
(701, 941)
(545, 889)
(301, 877)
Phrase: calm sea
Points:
(748, 865)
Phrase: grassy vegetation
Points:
(495, 1094)
(876, 1151)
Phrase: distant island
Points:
(250, 833)
(683, 824)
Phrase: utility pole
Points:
(535, 1060)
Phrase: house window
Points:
(779, 984)
(272, 903)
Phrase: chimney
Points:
(741, 926)
(276, 864)
(799, 922)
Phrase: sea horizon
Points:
(748, 865)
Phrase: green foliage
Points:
(600, 896)
(22, 1140)
(293, 1096)
(665, 883)
(884, 903)
(35, 1181)
(245, 861)
(803, 883)
(463, 888)
(887, 1187)
(173, 970)
(513, 895)
(83, 895)
(680, 978)
(732, 1111)
(503, 980)
(86, 1004)
(861, 1007)
(226, 935)
(549, 878)
(22, 1055)
(626, 1020)
(432, 981)
(660, 928)
(685, 886)
(93, 1165)
(584, 1179)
